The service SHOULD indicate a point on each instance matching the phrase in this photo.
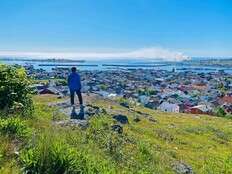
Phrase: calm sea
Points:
(126, 64)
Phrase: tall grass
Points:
(52, 154)
(14, 127)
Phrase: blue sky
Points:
(191, 27)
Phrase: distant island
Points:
(40, 59)
(137, 65)
(214, 62)
(67, 65)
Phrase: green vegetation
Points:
(220, 112)
(14, 127)
(147, 91)
(152, 145)
(62, 82)
(51, 154)
(103, 87)
(15, 90)
(144, 147)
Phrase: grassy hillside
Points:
(152, 142)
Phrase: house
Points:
(112, 96)
(199, 109)
(49, 90)
(228, 108)
(144, 99)
(230, 85)
(168, 107)
(106, 94)
(38, 86)
(152, 104)
(226, 100)
(199, 87)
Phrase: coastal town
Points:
(168, 91)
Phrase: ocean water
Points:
(127, 64)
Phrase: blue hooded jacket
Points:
(74, 81)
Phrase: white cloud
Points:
(143, 53)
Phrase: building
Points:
(168, 107)
(199, 109)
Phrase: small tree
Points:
(15, 90)
(103, 87)
(62, 82)
(220, 112)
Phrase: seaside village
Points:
(168, 91)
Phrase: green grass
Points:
(203, 142)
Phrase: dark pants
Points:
(72, 94)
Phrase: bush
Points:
(15, 90)
(103, 87)
(147, 92)
(220, 112)
(124, 102)
(62, 82)
(14, 127)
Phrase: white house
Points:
(168, 107)
(144, 99)
(105, 94)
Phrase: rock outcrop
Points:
(182, 168)
(117, 128)
(121, 119)
(73, 123)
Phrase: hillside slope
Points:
(151, 142)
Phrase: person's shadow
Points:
(75, 115)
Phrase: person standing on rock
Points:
(74, 84)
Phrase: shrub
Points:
(124, 102)
(15, 90)
(103, 87)
(220, 112)
(147, 91)
(62, 82)
(14, 127)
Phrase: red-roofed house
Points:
(226, 100)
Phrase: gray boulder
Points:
(121, 119)
(117, 128)
(73, 123)
(152, 119)
(137, 119)
(91, 110)
(182, 168)
(125, 104)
